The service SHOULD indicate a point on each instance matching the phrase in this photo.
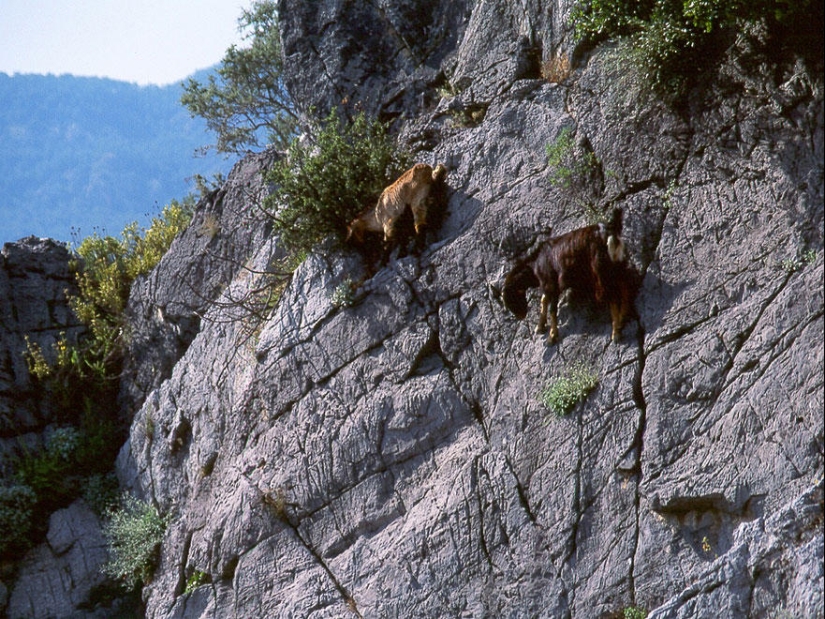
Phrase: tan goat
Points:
(411, 190)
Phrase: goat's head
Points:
(439, 173)
(355, 232)
(514, 291)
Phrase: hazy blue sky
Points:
(143, 41)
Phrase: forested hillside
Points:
(88, 153)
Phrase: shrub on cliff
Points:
(329, 178)
(134, 532)
(79, 375)
(106, 268)
(564, 392)
(17, 503)
(670, 40)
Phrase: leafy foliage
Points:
(17, 503)
(567, 168)
(45, 471)
(248, 96)
(670, 38)
(78, 373)
(65, 466)
(106, 269)
(327, 181)
(134, 532)
(344, 294)
(564, 392)
(576, 170)
(100, 491)
(197, 579)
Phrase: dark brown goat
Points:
(589, 260)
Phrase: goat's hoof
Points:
(540, 328)
(552, 338)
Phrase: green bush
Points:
(57, 472)
(17, 503)
(344, 294)
(670, 39)
(78, 375)
(634, 612)
(569, 169)
(325, 182)
(48, 471)
(106, 268)
(100, 491)
(564, 392)
(197, 579)
(134, 533)
(109, 266)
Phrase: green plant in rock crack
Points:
(574, 169)
(562, 393)
(197, 579)
(134, 532)
(567, 166)
(344, 294)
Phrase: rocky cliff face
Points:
(391, 458)
(34, 280)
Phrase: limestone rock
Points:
(166, 306)
(61, 577)
(392, 458)
(35, 276)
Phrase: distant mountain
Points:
(93, 154)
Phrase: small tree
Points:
(248, 94)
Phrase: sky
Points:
(143, 41)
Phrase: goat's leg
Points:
(419, 228)
(617, 317)
(389, 242)
(542, 326)
(553, 332)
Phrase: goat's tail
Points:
(615, 245)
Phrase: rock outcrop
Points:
(35, 277)
(64, 574)
(166, 306)
(391, 457)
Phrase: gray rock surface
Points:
(391, 458)
(166, 305)
(59, 577)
